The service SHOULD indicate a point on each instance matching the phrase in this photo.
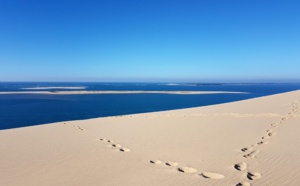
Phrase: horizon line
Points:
(169, 82)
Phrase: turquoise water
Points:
(35, 109)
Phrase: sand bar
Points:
(138, 149)
(122, 92)
(46, 88)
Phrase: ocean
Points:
(21, 110)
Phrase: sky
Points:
(150, 40)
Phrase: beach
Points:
(249, 142)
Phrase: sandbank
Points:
(46, 88)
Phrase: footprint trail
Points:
(254, 150)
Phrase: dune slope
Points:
(250, 142)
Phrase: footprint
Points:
(172, 163)
(110, 141)
(252, 154)
(212, 175)
(80, 128)
(155, 162)
(253, 175)
(188, 170)
(269, 130)
(241, 166)
(246, 149)
(103, 139)
(116, 145)
(272, 133)
(125, 150)
(244, 184)
(262, 142)
(266, 137)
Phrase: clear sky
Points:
(150, 40)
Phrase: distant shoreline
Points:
(45, 88)
(122, 92)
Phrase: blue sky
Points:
(150, 40)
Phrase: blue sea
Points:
(20, 110)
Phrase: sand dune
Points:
(251, 142)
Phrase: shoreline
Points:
(45, 88)
(122, 92)
(239, 143)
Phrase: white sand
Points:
(205, 142)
